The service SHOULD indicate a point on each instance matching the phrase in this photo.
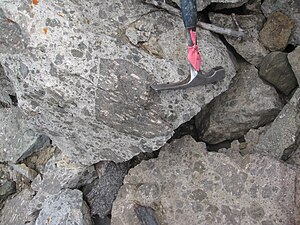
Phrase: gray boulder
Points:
(16, 136)
(276, 31)
(249, 46)
(249, 103)
(103, 191)
(294, 159)
(290, 8)
(67, 207)
(188, 185)
(294, 60)
(276, 69)
(83, 73)
(282, 138)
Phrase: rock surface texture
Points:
(82, 71)
(249, 46)
(276, 69)
(202, 4)
(282, 138)
(188, 185)
(249, 103)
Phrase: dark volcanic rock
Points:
(283, 136)
(249, 46)
(249, 103)
(103, 191)
(276, 69)
(276, 31)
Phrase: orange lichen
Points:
(45, 30)
(35, 2)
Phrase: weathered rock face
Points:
(66, 208)
(82, 72)
(276, 31)
(249, 103)
(276, 69)
(294, 59)
(15, 135)
(290, 8)
(188, 185)
(282, 138)
(249, 47)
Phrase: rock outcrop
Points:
(82, 73)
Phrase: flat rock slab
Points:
(276, 31)
(290, 8)
(188, 185)
(249, 103)
(82, 72)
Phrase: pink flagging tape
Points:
(193, 52)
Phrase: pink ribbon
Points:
(193, 52)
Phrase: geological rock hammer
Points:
(196, 76)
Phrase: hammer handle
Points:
(189, 13)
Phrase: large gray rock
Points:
(67, 207)
(294, 60)
(16, 137)
(249, 103)
(84, 68)
(249, 46)
(188, 185)
(276, 69)
(291, 8)
(282, 138)
(276, 31)
(103, 191)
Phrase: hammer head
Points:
(195, 78)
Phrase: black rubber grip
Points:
(189, 13)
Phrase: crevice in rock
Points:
(237, 10)
(289, 48)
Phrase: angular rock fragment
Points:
(16, 137)
(85, 82)
(290, 8)
(249, 103)
(276, 31)
(294, 60)
(276, 69)
(103, 191)
(16, 210)
(25, 171)
(249, 46)
(67, 207)
(6, 189)
(253, 6)
(61, 172)
(283, 136)
(188, 185)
